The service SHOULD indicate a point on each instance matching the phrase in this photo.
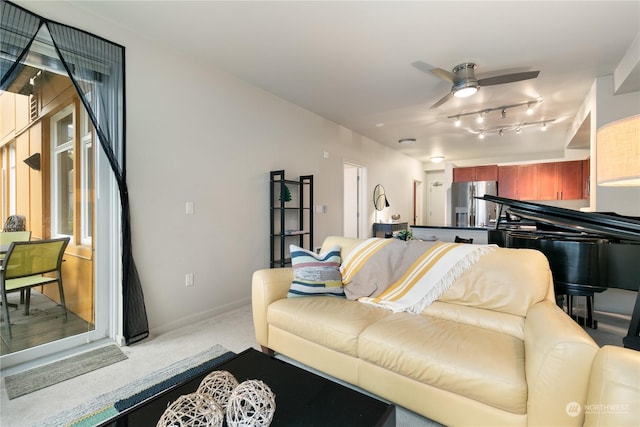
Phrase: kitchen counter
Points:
(448, 234)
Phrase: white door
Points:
(436, 198)
(352, 202)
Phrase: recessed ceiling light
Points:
(407, 141)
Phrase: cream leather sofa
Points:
(493, 350)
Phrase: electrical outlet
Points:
(188, 279)
(189, 208)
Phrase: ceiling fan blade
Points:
(508, 78)
(445, 75)
(442, 100)
(423, 66)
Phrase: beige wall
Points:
(197, 134)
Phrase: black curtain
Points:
(96, 68)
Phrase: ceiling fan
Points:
(465, 82)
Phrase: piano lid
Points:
(606, 225)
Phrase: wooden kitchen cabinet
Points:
(548, 188)
(570, 182)
(528, 182)
(508, 182)
(560, 181)
(463, 174)
(476, 173)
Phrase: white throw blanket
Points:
(428, 270)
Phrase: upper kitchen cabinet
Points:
(560, 181)
(476, 173)
(508, 182)
(544, 181)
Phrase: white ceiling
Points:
(351, 62)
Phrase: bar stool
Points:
(572, 290)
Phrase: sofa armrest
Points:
(267, 286)
(558, 359)
(614, 389)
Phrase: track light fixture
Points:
(516, 127)
(503, 111)
(529, 109)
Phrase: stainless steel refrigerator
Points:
(466, 210)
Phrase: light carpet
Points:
(109, 405)
(52, 373)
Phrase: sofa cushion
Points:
(507, 280)
(315, 274)
(487, 319)
(474, 362)
(332, 322)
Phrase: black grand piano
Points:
(588, 252)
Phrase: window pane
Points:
(64, 130)
(65, 192)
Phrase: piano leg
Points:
(632, 340)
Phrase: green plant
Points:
(286, 194)
(404, 235)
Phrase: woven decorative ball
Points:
(218, 385)
(252, 403)
(192, 410)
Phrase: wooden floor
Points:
(45, 323)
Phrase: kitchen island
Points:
(448, 234)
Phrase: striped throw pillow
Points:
(315, 274)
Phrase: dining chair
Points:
(459, 239)
(6, 238)
(24, 266)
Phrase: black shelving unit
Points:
(291, 221)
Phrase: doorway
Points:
(436, 196)
(353, 202)
(417, 203)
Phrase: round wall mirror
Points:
(379, 198)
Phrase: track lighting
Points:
(482, 135)
(501, 132)
(544, 127)
(518, 129)
(480, 118)
(457, 122)
(502, 109)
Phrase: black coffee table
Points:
(302, 398)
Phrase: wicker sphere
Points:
(192, 410)
(218, 385)
(252, 403)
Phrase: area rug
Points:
(109, 405)
(44, 376)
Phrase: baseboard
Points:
(197, 317)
